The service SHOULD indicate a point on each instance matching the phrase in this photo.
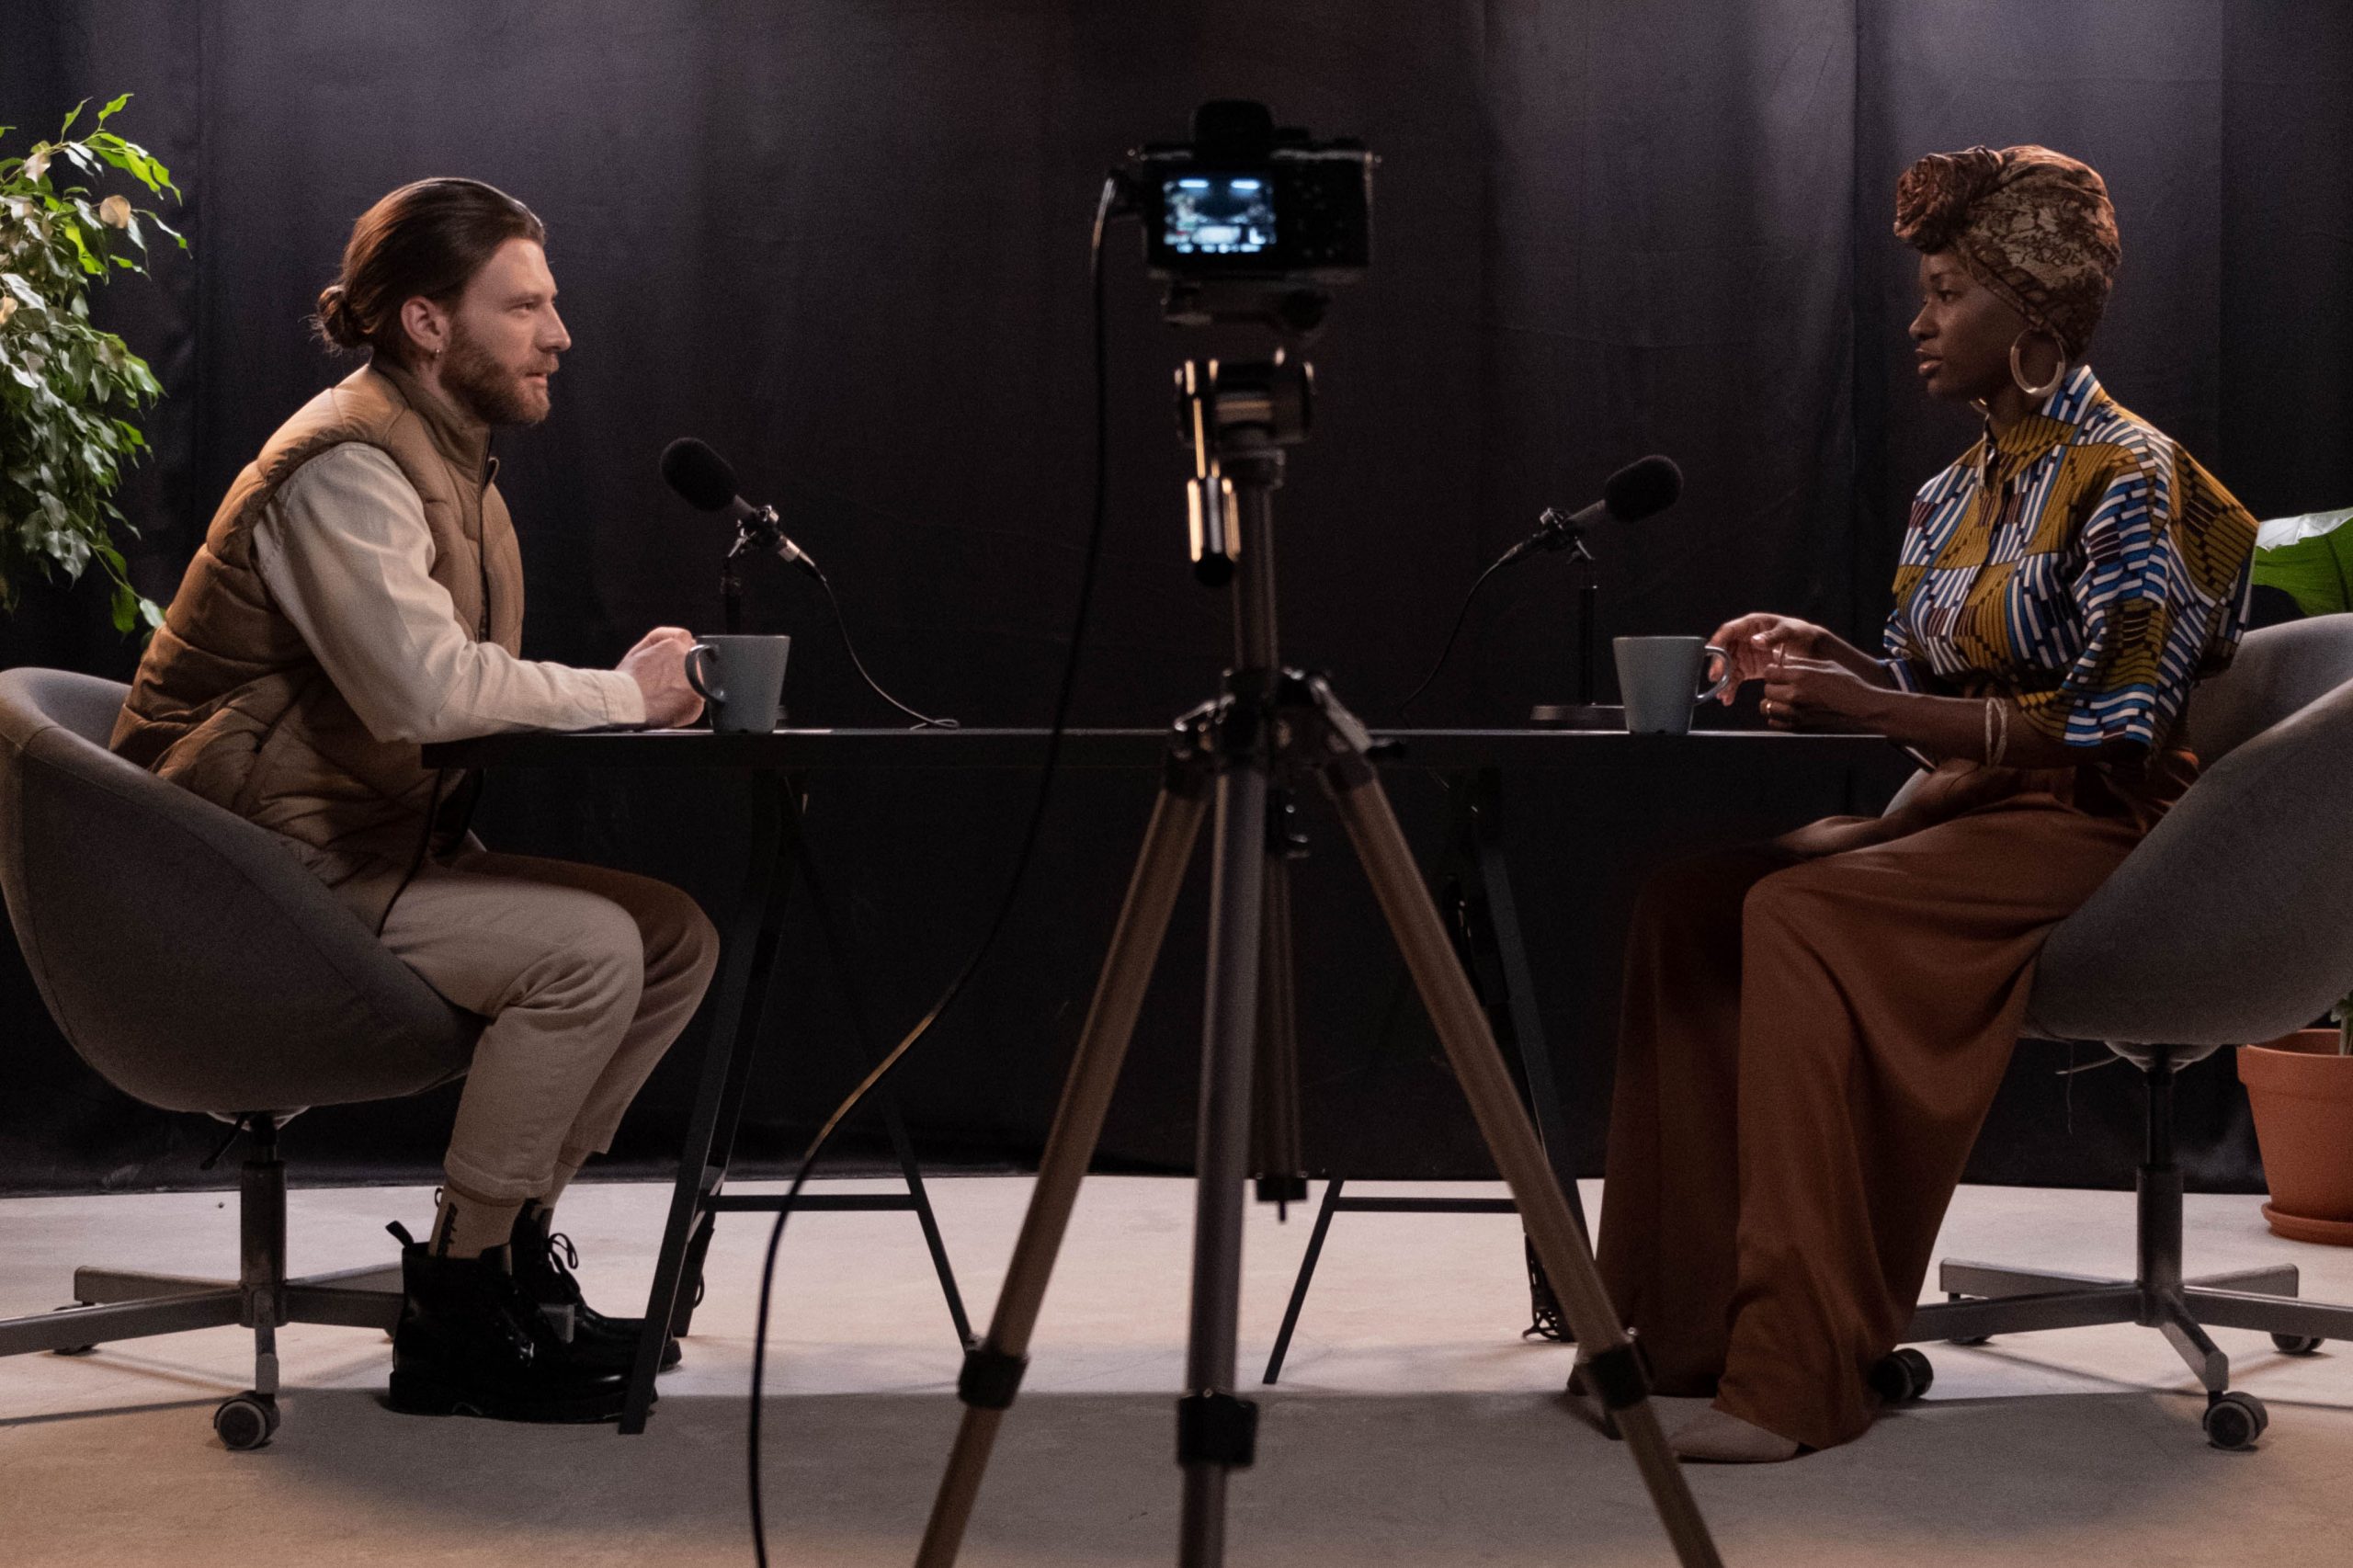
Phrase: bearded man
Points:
(360, 593)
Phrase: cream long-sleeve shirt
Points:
(344, 549)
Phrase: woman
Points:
(1814, 1028)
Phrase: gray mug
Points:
(743, 680)
(1660, 679)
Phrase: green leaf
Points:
(70, 118)
(126, 607)
(90, 264)
(112, 107)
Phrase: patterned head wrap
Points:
(2033, 225)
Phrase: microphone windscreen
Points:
(700, 476)
(1641, 488)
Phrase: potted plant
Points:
(2300, 1088)
(69, 392)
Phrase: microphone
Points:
(705, 482)
(1643, 488)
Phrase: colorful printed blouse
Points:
(2082, 566)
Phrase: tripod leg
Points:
(1215, 1431)
(993, 1368)
(1478, 1065)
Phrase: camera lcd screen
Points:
(1218, 214)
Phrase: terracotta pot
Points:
(2302, 1092)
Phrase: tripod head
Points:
(1237, 417)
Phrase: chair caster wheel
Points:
(2297, 1344)
(73, 1349)
(2236, 1420)
(1973, 1339)
(1902, 1376)
(245, 1420)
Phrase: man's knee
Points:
(680, 940)
(595, 958)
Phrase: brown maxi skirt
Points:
(1814, 1031)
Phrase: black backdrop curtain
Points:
(844, 241)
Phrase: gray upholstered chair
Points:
(197, 966)
(2232, 922)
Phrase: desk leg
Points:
(744, 970)
(1526, 1029)
(788, 852)
(902, 1147)
(905, 1149)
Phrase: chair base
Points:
(113, 1305)
(1991, 1299)
(117, 1305)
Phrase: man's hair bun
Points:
(333, 319)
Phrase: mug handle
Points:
(1712, 651)
(713, 693)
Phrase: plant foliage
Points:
(69, 393)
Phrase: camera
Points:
(1249, 222)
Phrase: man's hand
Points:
(1817, 694)
(1756, 643)
(658, 665)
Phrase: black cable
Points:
(1499, 562)
(923, 721)
(884, 1069)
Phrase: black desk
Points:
(1478, 902)
(802, 750)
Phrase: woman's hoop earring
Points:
(2058, 377)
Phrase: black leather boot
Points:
(470, 1343)
(543, 1265)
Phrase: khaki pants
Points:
(1809, 1048)
(586, 975)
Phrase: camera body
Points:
(1246, 222)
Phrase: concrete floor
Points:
(1413, 1426)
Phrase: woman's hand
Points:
(1819, 694)
(1756, 643)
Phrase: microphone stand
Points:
(1584, 714)
(760, 531)
(730, 592)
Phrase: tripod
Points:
(1238, 758)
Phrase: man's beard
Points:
(487, 389)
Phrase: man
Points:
(359, 593)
